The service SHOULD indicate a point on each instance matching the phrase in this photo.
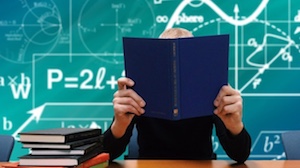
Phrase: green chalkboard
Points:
(60, 59)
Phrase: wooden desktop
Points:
(205, 164)
(201, 164)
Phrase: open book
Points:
(178, 78)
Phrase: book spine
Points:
(175, 79)
(82, 135)
(85, 141)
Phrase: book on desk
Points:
(80, 150)
(58, 135)
(178, 78)
(99, 161)
(54, 160)
(41, 155)
(67, 145)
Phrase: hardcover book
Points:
(96, 162)
(103, 164)
(16, 165)
(59, 135)
(67, 145)
(81, 150)
(178, 78)
(57, 160)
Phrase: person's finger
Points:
(231, 109)
(124, 109)
(228, 100)
(129, 97)
(132, 94)
(123, 82)
(226, 90)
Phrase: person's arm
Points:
(116, 146)
(238, 146)
(127, 104)
(229, 126)
(229, 107)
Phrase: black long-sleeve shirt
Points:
(183, 139)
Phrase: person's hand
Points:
(229, 105)
(127, 103)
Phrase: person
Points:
(183, 139)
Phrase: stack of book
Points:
(64, 147)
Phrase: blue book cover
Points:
(178, 78)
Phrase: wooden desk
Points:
(204, 164)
